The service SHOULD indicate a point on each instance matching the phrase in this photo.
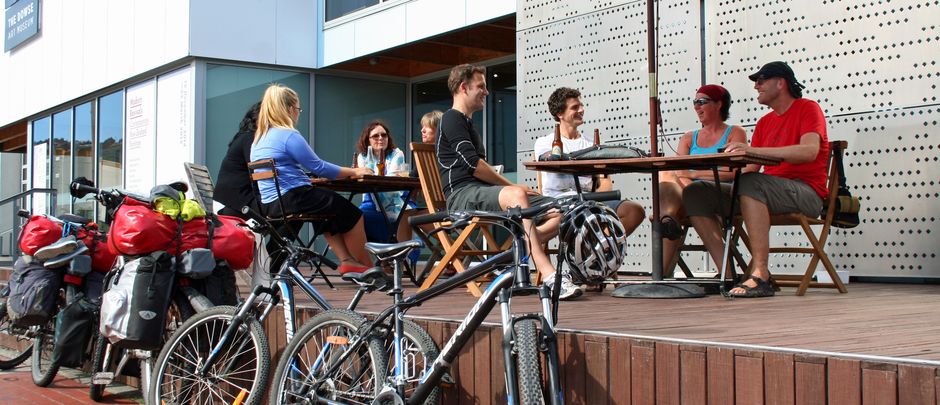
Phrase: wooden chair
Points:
(200, 183)
(817, 241)
(453, 251)
(290, 220)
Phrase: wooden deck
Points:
(878, 344)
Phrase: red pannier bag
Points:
(39, 232)
(137, 229)
(102, 258)
(234, 243)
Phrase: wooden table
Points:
(373, 185)
(653, 165)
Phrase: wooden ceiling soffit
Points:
(14, 145)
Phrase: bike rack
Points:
(17, 202)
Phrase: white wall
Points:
(396, 23)
(282, 32)
(85, 45)
(870, 65)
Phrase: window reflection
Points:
(83, 155)
(339, 8)
(41, 163)
(62, 159)
(110, 144)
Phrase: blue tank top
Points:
(698, 150)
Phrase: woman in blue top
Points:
(377, 145)
(712, 104)
(277, 139)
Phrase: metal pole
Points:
(656, 231)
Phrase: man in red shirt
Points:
(795, 131)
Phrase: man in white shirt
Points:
(565, 107)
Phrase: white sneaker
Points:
(569, 290)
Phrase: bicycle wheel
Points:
(418, 352)
(43, 368)
(238, 375)
(318, 345)
(528, 363)
(23, 347)
(96, 391)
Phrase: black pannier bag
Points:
(34, 291)
(134, 308)
(73, 328)
(220, 287)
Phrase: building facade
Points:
(124, 91)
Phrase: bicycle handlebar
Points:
(525, 213)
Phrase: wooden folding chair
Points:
(452, 251)
(817, 242)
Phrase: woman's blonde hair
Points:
(275, 109)
(432, 119)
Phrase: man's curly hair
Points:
(559, 99)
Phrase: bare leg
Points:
(512, 196)
(631, 214)
(350, 246)
(709, 230)
(757, 220)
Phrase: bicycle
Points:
(222, 355)
(24, 344)
(185, 302)
(44, 367)
(356, 372)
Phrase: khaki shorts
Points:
(483, 198)
(782, 196)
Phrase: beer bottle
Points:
(355, 163)
(380, 166)
(597, 137)
(556, 144)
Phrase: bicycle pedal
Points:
(447, 381)
(102, 378)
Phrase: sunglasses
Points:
(378, 136)
(701, 101)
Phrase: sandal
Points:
(763, 289)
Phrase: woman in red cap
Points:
(711, 103)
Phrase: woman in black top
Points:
(235, 188)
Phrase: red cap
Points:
(713, 91)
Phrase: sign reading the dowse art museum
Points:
(21, 22)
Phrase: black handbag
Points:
(847, 206)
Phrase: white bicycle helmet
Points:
(592, 240)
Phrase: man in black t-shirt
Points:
(469, 182)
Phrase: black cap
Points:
(782, 70)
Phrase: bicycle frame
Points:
(508, 283)
(280, 289)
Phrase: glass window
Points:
(338, 8)
(345, 105)
(110, 144)
(83, 153)
(62, 159)
(42, 169)
(231, 91)
(429, 96)
(501, 116)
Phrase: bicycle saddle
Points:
(372, 279)
(77, 219)
(391, 251)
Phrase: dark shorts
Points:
(483, 198)
(312, 200)
(782, 196)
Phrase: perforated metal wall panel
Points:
(871, 65)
